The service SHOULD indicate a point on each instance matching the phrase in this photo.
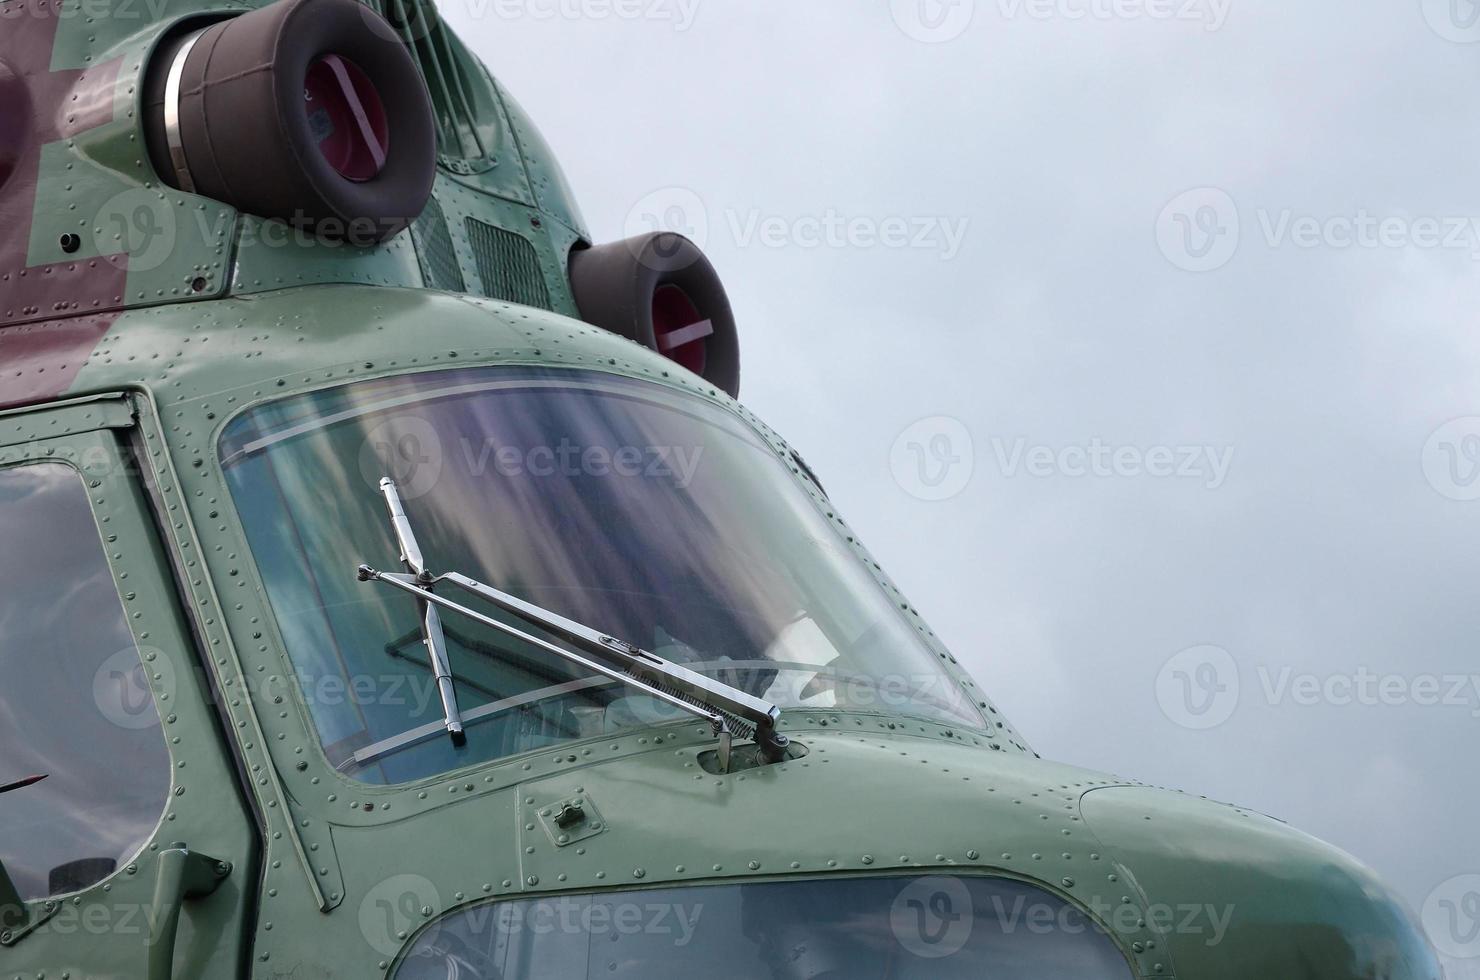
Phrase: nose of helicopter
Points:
(1242, 895)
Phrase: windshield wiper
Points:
(728, 710)
(21, 783)
(431, 621)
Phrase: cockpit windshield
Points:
(637, 509)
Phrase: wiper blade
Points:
(729, 710)
(431, 621)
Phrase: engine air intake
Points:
(310, 112)
(660, 290)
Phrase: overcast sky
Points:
(1186, 293)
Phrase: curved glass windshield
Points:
(637, 510)
(936, 928)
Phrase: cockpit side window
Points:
(75, 704)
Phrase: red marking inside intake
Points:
(347, 118)
(680, 331)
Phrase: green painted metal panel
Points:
(105, 931)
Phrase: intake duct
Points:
(659, 290)
(310, 112)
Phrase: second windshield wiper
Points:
(729, 710)
(431, 621)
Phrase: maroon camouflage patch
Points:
(39, 361)
(39, 106)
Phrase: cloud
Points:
(1058, 141)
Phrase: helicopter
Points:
(395, 586)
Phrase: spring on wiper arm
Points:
(729, 710)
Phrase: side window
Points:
(75, 704)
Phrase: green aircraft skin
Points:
(227, 316)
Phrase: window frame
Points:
(1115, 941)
(510, 377)
(96, 437)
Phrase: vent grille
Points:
(508, 265)
(434, 250)
(455, 83)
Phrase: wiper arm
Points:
(431, 621)
(729, 710)
(21, 783)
